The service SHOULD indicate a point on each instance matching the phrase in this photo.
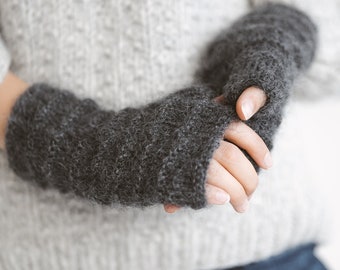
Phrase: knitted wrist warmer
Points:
(268, 48)
(158, 153)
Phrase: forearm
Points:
(10, 89)
(136, 156)
(267, 48)
(277, 44)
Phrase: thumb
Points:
(249, 102)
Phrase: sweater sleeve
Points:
(5, 60)
(158, 153)
(268, 47)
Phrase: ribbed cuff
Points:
(182, 177)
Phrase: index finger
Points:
(245, 138)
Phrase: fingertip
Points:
(239, 109)
(171, 208)
(215, 195)
(221, 197)
(248, 109)
(242, 208)
(268, 160)
(249, 102)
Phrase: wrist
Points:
(10, 89)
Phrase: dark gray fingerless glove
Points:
(268, 48)
(158, 153)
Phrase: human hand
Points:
(231, 176)
(10, 90)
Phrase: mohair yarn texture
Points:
(155, 154)
(268, 48)
(160, 152)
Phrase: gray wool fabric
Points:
(127, 54)
(138, 156)
(267, 48)
(159, 153)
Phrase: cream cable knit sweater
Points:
(106, 50)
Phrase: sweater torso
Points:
(127, 53)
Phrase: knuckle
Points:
(232, 128)
(212, 169)
(230, 151)
(235, 126)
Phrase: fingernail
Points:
(243, 207)
(247, 109)
(222, 197)
(268, 161)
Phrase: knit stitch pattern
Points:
(268, 48)
(158, 153)
(124, 53)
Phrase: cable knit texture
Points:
(128, 54)
(155, 154)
